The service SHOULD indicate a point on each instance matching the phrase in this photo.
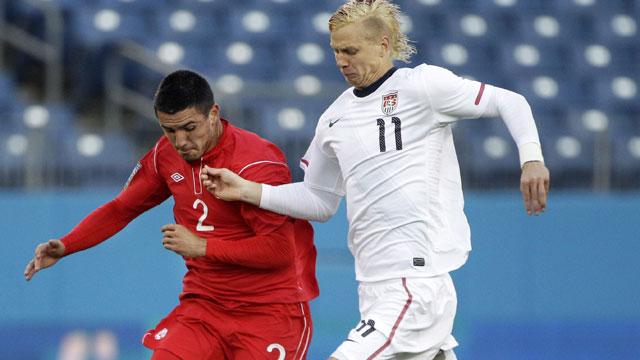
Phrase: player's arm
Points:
(98, 226)
(317, 198)
(455, 98)
(143, 192)
(297, 200)
(273, 245)
(272, 248)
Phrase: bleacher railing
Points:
(48, 51)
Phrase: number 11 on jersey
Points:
(398, 133)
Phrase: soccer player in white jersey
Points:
(386, 144)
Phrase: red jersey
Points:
(253, 255)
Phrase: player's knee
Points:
(162, 354)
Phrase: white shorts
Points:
(408, 318)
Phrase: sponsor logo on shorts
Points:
(161, 334)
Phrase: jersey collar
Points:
(376, 84)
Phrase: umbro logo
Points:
(177, 177)
(161, 334)
(331, 123)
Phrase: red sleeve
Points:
(143, 191)
(273, 245)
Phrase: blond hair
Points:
(379, 16)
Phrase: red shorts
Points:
(199, 329)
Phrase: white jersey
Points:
(392, 153)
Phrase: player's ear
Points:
(384, 46)
(214, 112)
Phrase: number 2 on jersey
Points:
(398, 133)
(205, 212)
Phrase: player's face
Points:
(360, 60)
(190, 132)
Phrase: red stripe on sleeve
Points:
(480, 92)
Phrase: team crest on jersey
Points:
(133, 173)
(389, 102)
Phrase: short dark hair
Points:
(183, 89)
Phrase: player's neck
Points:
(371, 88)
(218, 130)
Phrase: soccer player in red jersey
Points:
(250, 273)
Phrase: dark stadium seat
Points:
(552, 90)
(291, 125)
(192, 23)
(493, 6)
(7, 89)
(570, 159)
(594, 58)
(95, 26)
(577, 55)
(617, 89)
(477, 59)
(549, 27)
(129, 5)
(92, 159)
(533, 58)
(592, 8)
(625, 146)
(487, 153)
(617, 28)
(309, 58)
(256, 23)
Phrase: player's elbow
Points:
(515, 98)
(285, 255)
(325, 214)
(325, 207)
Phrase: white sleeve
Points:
(318, 197)
(321, 168)
(453, 98)
(299, 201)
(516, 113)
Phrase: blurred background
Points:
(76, 84)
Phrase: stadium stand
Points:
(567, 57)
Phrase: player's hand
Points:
(180, 240)
(534, 185)
(227, 185)
(46, 255)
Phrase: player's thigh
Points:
(276, 331)
(189, 341)
(402, 318)
(185, 335)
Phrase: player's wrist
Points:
(530, 152)
(251, 192)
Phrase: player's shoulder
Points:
(337, 106)
(162, 147)
(248, 141)
(162, 143)
(426, 70)
(252, 150)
